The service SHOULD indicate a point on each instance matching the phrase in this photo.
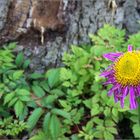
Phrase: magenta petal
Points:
(116, 95)
(107, 83)
(109, 57)
(113, 89)
(111, 81)
(112, 56)
(130, 48)
(122, 102)
(138, 90)
(133, 104)
(106, 73)
(122, 99)
(115, 54)
(115, 98)
(124, 92)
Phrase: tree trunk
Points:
(45, 29)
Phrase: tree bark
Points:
(45, 29)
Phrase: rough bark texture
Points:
(70, 23)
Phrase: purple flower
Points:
(124, 75)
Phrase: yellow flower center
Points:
(127, 69)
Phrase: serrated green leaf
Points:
(55, 127)
(107, 111)
(49, 100)
(98, 50)
(19, 59)
(111, 102)
(67, 84)
(12, 101)
(108, 136)
(23, 92)
(65, 105)
(46, 122)
(133, 112)
(109, 123)
(136, 130)
(32, 104)
(95, 99)
(45, 86)
(76, 50)
(89, 126)
(95, 109)
(134, 118)
(134, 40)
(25, 98)
(112, 130)
(53, 77)
(39, 136)
(98, 121)
(26, 64)
(115, 118)
(38, 91)
(24, 113)
(61, 112)
(97, 65)
(98, 134)
(65, 74)
(95, 87)
(18, 107)
(11, 46)
(12, 85)
(88, 103)
(57, 92)
(8, 97)
(34, 117)
(36, 76)
(74, 137)
(17, 74)
(100, 128)
(115, 112)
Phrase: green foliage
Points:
(136, 130)
(133, 116)
(134, 40)
(38, 91)
(11, 127)
(67, 102)
(51, 128)
(108, 37)
(83, 88)
(40, 136)
(34, 117)
(20, 62)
